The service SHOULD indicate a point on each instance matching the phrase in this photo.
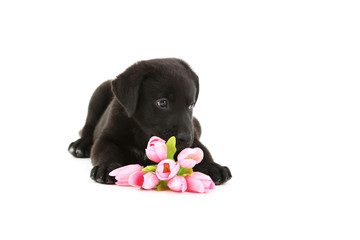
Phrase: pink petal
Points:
(177, 184)
(122, 181)
(159, 172)
(161, 150)
(200, 176)
(150, 153)
(173, 167)
(209, 185)
(195, 154)
(184, 184)
(122, 174)
(153, 140)
(156, 149)
(199, 182)
(187, 163)
(194, 185)
(174, 184)
(128, 169)
(136, 179)
(184, 153)
(150, 181)
(156, 152)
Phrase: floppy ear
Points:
(196, 80)
(126, 87)
(193, 75)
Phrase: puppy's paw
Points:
(100, 173)
(80, 148)
(218, 174)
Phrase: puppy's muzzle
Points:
(183, 140)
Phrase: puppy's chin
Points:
(180, 145)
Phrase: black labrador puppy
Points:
(151, 98)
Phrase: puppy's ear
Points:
(196, 80)
(126, 87)
(193, 76)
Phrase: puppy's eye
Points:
(162, 103)
(191, 106)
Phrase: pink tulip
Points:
(122, 174)
(189, 157)
(177, 184)
(156, 149)
(143, 179)
(167, 169)
(199, 183)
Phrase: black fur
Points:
(123, 115)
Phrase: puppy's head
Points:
(160, 95)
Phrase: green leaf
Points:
(185, 171)
(162, 186)
(171, 148)
(150, 168)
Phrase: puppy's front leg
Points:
(218, 173)
(106, 156)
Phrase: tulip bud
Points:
(177, 184)
(156, 149)
(122, 174)
(189, 157)
(199, 182)
(167, 169)
(144, 180)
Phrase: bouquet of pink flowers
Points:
(167, 173)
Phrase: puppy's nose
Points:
(183, 137)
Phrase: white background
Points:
(279, 105)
